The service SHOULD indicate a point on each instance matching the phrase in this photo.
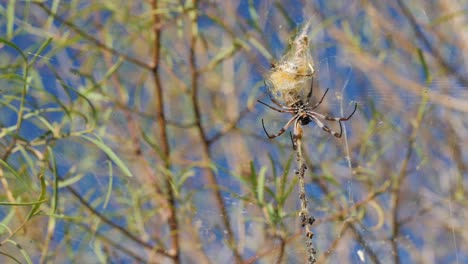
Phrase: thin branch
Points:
(227, 128)
(372, 255)
(306, 219)
(162, 133)
(121, 248)
(211, 178)
(92, 39)
(452, 69)
(398, 182)
(282, 248)
(109, 222)
(334, 244)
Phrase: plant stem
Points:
(306, 219)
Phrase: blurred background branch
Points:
(129, 132)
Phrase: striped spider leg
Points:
(303, 115)
(314, 116)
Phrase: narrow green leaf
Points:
(284, 177)
(5, 220)
(447, 17)
(272, 214)
(427, 74)
(260, 48)
(113, 69)
(287, 192)
(109, 187)
(252, 177)
(11, 169)
(261, 185)
(271, 192)
(184, 176)
(70, 181)
(282, 10)
(222, 55)
(40, 50)
(46, 123)
(253, 14)
(12, 77)
(10, 15)
(424, 94)
(11, 44)
(41, 199)
(112, 156)
(154, 146)
(56, 179)
(272, 165)
(23, 252)
(23, 204)
(97, 249)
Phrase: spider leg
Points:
(319, 102)
(274, 100)
(355, 107)
(293, 141)
(325, 128)
(282, 130)
(279, 104)
(297, 133)
(276, 109)
(339, 118)
(327, 117)
(309, 95)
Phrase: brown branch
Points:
(211, 177)
(397, 183)
(306, 219)
(452, 69)
(343, 212)
(109, 222)
(162, 133)
(92, 39)
(272, 250)
(121, 248)
(335, 242)
(341, 215)
(364, 244)
(281, 250)
(227, 128)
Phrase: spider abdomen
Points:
(305, 121)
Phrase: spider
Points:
(303, 114)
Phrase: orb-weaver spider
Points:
(303, 114)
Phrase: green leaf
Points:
(223, 54)
(56, 178)
(284, 177)
(24, 204)
(252, 177)
(23, 252)
(40, 50)
(10, 14)
(253, 14)
(41, 199)
(11, 44)
(70, 181)
(186, 174)
(11, 169)
(112, 156)
(261, 185)
(109, 187)
(427, 73)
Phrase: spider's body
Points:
(304, 119)
(286, 82)
(304, 114)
